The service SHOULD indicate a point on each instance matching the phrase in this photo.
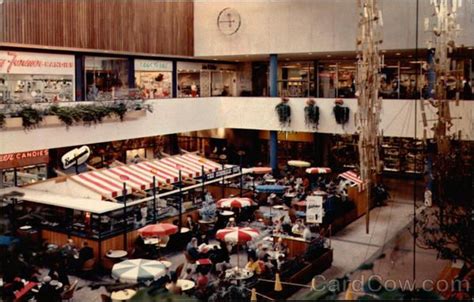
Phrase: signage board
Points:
(16, 62)
(314, 209)
(77, 156)
(153, 65)
(22, 159)
(223, 172)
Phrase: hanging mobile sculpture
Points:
(368, 100)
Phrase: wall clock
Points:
(228, 21)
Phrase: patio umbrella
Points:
(299, 163)
(237, 235)
(271, 189)
(138, 270)
(7, 240)
(261, 170)
(318, 170)
(157, 230)
(240, 202)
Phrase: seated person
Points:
(188, 274)
(47, 292)
(280, 246)
(231, 223)
(192, 249)
(202, 281)
(253, 266)
(297, 228)
(85, 253)
(307, 235)
(172, 286)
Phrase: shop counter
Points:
(297, 246)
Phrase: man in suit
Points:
(86, 252)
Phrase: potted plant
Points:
(311, 114)
(284, 112)
(30, 117)
(341, 112)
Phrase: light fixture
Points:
(397, 54)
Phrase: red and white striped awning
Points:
(318, 170)
(109, 182)
(102, 184)
(352, 176)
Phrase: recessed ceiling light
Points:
(215, 59)
(328, 56)
(397, 54)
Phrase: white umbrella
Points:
(138, 270)
(299, 163)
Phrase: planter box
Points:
(13, 123)
(133, 115)
(51, 121)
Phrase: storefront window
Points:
(296, 79)
(36, 77)
(105, 77)
(327, 79)
(154, 78)
(205, 80)
(24, 175)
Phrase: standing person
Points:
(85, 253)
(48, 293)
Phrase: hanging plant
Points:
(30, 116)
(311, 114)
(284, 112)
(119, 110)
(341, 112)
(68, 115)
(2, 119)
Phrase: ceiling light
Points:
(397, 54)
(384, 51)
(215, 59)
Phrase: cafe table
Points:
(227, 213)
(238, 274)
(123, 295)
(116, 254)
(184, 284)
(151, 241)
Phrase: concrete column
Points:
(131, 72)
(80, 77)
(273, 140)
(174, 80)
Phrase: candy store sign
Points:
(14, 62)
(21, 159)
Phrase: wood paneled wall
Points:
(148, 26)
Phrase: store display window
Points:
(296, 79)
(24, 175)
(154, 78)
(36, 77)
(205, 80)
(105, 77)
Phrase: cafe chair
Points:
(163, 241)
(69, 293)
(105, 298)
(88, 267)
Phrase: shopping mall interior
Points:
(221, 150)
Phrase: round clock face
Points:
(228, 21)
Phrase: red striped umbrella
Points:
(239, 202)
(159, 229)
(237, 235)
(318, 170)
